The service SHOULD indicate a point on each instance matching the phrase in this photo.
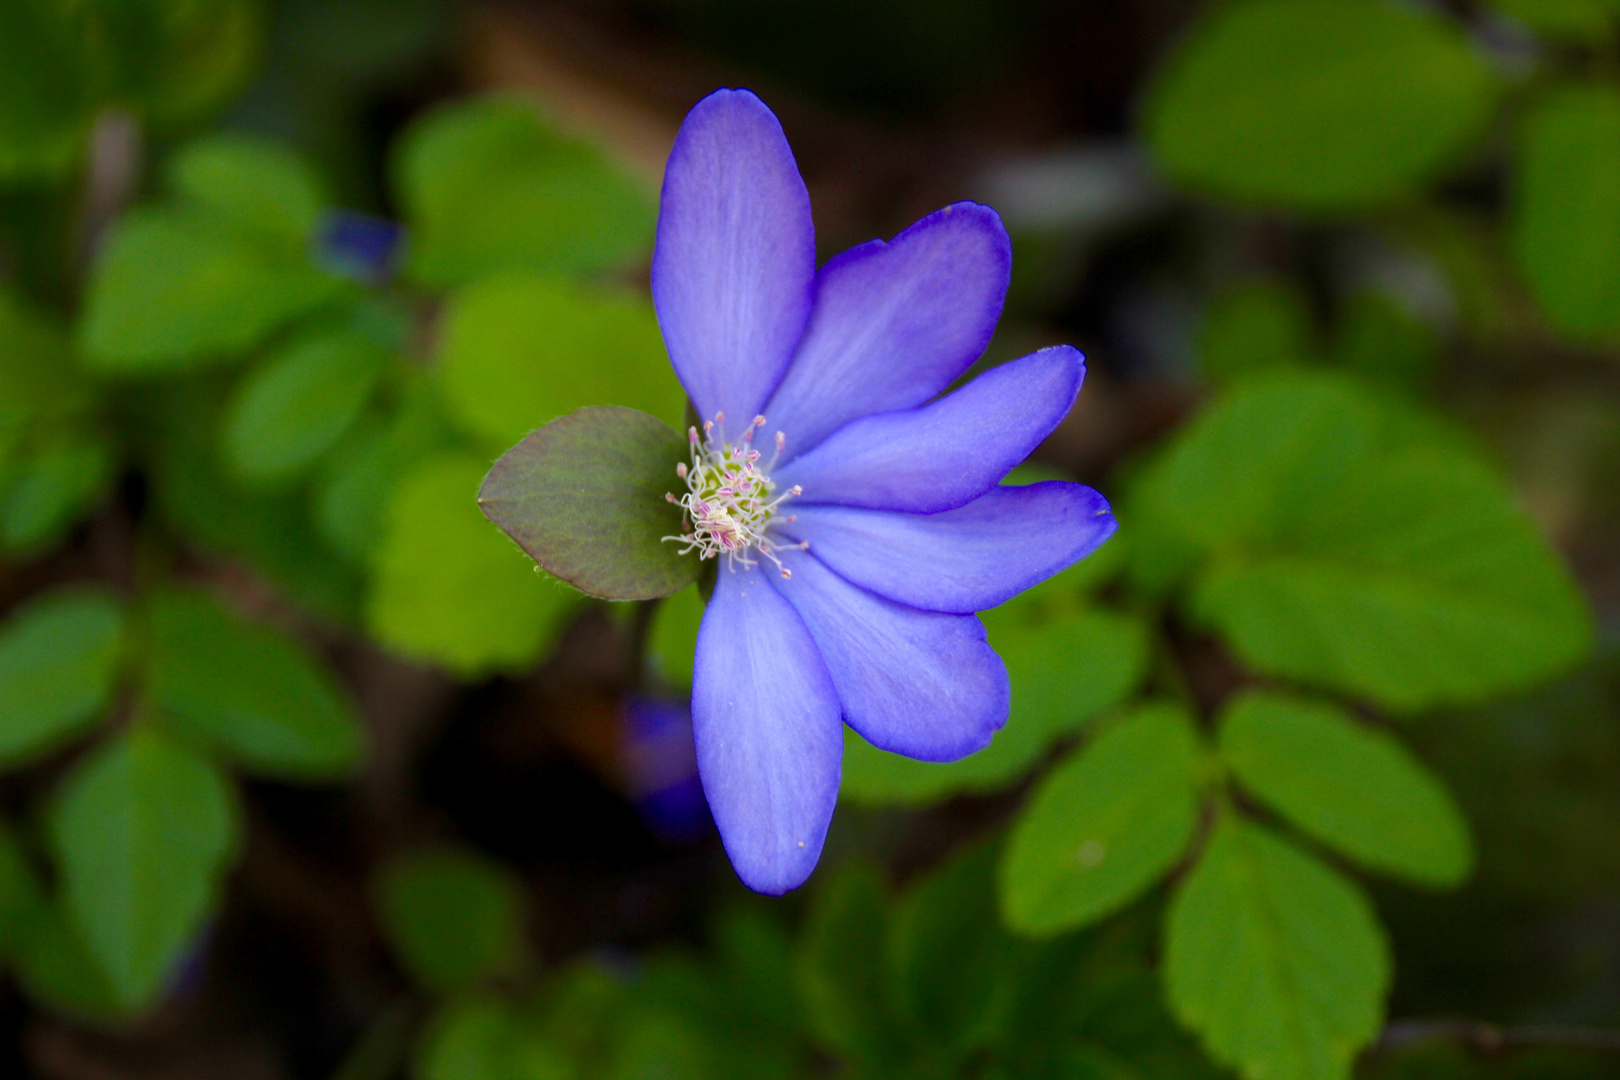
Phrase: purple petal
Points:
(968, 559)
(735, 259)
(765, 721)
(892, 325)
(917, 683)
(946, 454)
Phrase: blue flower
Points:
(855, 513)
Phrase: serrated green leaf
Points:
(672, 639)
(585, 497)
(1566, 231)
(141, 833)
(296, 405)
(1336, 537)
(58, 662)
(255, 693)
(251, 182)
(1355, 789)
(487, 184)
(1063, 671)
(953, 965)
(1320, 105)
(448, 587)
(52, 489)
(1276, 960)
(170, 292)
(1104, 825)
(453, 916)
(1253, 326)
(487, 1039)
(520, 350)
(841, 966)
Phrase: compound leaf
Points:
(1276, 960)
(58, 662)
(1104, 824)
(1352, 787)
(141, 833)
(251, 690)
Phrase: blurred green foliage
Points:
(1175, 883)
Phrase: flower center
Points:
(730, 499)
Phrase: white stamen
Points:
(728, 500)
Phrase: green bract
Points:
(584, 496)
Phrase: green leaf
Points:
(1319, 105)
(207, 55)
(453, 916)
(672, 639)
(448, 587)
(45, 100)
(40, 939)
(1355, 789)
(268, 529)
(355, 482)
(1380, 341)
(58, 663)
(53, 489)
(520, 350)
(57, 969)
(1274, 959)
(585, 496)
(1337, 538)
(1063, 672)
(1104, 825)
(1567, 208)
(841, 966)
(952, 962)
(1563, 20)
(251, 182)
(1256, 325)
(169, 292)
(252, 691)
(488, 184)
(295, 406)
(141, 834)
(487, 1039)
(40, 381)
